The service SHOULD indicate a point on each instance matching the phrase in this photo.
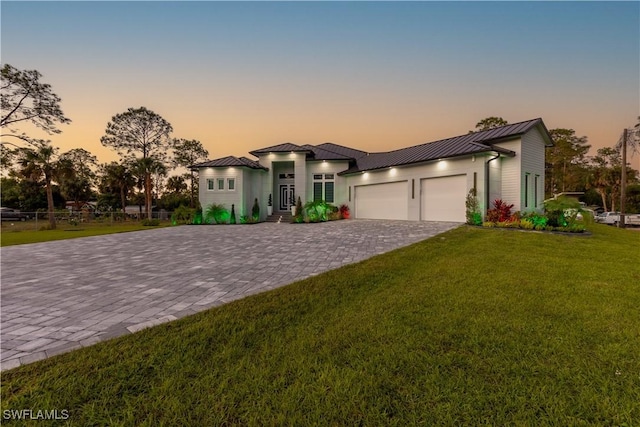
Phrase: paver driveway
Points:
(57, 296)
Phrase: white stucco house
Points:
(427, 182)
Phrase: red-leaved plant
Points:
(501, 211)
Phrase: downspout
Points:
(487, 179)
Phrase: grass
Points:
(21, 233)
(473, 327)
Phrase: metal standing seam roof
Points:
(230, 161)
(471, 143)
(322, 154)
(280, 148)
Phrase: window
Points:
(231, 184)
(526, 190)
(535, 191)
(210, 185)
(324, 187)
(287, 176)
(220, 183)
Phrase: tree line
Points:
(36, 175)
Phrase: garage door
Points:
(443, 198)
(382, 201)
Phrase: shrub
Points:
(344, 211)
(474, 217)
(489, 224)
(501, 211)
(255, 210)
(557, 209)
(184, 215)
(216, 214)
(232, 219)
(270, 201)
(318, 210)
(150, 222)
(526, 224)
(299, 212)
(537, 220)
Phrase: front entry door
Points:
(286, 194)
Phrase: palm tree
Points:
(40, 161)
(118, 176)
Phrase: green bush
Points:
(557, 211)
(183, 215)
(255, 210)
(489, 224)
(216, 214)
(473, 215)
(150, 222)
(526, 224)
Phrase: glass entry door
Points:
(287, 195)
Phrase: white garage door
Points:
(443, 198)
(382, 201)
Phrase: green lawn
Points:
(25, 233)
(473, 327)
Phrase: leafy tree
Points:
(605, 175)
(143, 135)
(76, 175)
(187, 153)
(564, 160)
(490, 123)
(26, 99)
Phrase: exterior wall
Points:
(529, 161)
(271, 161)
(533, 152)
(340, 182)
(253, 182)
(414, 174)
(511, 175)
(225, 197)
(248, 185)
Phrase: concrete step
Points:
(282, 217)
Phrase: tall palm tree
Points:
(119, 177)
(40, 160)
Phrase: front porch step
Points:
(281, 217)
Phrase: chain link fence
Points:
(18, 221)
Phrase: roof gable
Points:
(287, 147)
(229, 161)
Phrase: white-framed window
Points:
(210, 184)
(231, 184)
(220, 186)
(324, 187)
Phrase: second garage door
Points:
(443, 198)
(382, 201)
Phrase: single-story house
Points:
(426, 182)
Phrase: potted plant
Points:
(270, 206)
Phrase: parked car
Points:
(613, 218)
(9, 214)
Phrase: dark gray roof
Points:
(318, 153)
(341, 149)
(471, 143)
(280, 148)
(228, 162)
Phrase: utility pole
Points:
(623, 180)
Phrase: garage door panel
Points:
(382, 201)
(443, 198)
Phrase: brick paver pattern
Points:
(63, 295)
